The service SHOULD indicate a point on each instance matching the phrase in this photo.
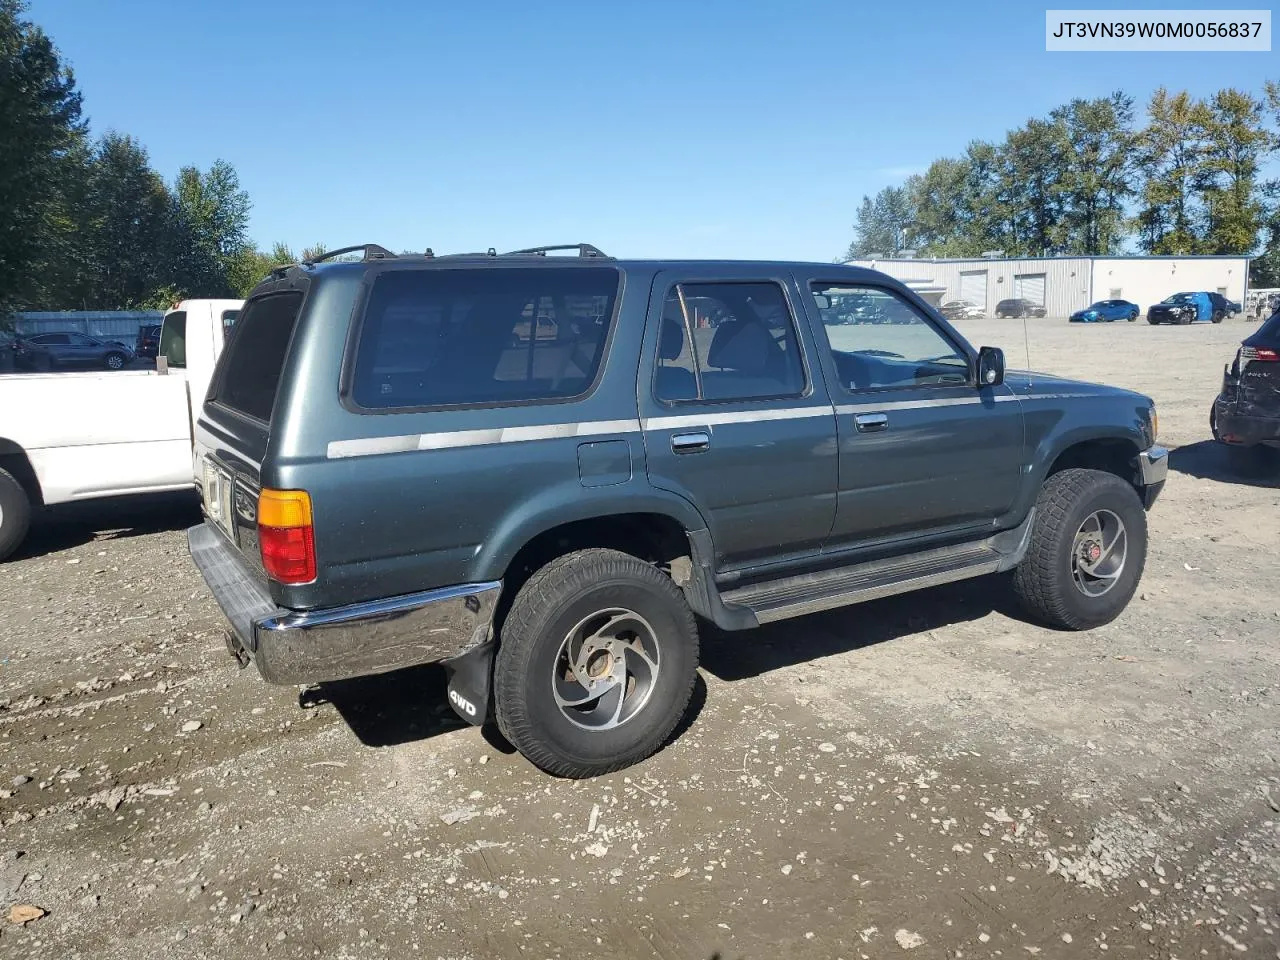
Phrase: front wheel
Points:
(1217, 316)
(1133, 316)
(596, 663)
(1088, 549)
(1154, 322)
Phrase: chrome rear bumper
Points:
(359, 639)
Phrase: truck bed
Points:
(98, 434)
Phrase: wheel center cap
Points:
(1092, 551)
(599, 663)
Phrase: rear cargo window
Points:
(173, 338)
(254, 358)
(445, 337)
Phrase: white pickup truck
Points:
(76, 436)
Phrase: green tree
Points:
(934, 201)
(1236, 142)
(1170, 152)
(1031, 174)
(982, 208)
(207, 235)
(882, 225)
(40, 127)
(1264, 271)
(125, 216)
(1096, 157)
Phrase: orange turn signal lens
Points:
(284, 508)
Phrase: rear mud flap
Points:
(469, 682)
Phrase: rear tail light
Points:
(285, 536)
(1265, 354)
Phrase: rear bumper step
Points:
(360, 639)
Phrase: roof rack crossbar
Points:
(585, 251)
(371, 251)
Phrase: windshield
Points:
(1178, 298)
(173, 338)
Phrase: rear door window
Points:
(254, 358)
(443, 337)
(743, 338)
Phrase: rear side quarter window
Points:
(439, 338)
(254, 359)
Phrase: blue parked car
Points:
(1106, 311)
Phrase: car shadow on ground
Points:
(412, 704)
(739, 656)
(66, 525)
(1210, 460)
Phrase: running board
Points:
(858, 583)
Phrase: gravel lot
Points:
(926, 774)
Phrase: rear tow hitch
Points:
(236, 650)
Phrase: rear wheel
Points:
(1217, 316)
(596, 663)
(1088, 549)
(15, 513)
(114, 361)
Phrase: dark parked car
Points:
(1246, 415)
(1188, 307)
(1018, 307)
(23, 354)
(961, 310)
(1106, 311)
(148, 342)
(1234, 308)
(82, 350)
(392, 474)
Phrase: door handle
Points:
(690, 442)
(871, 422)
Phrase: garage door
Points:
(1029, 286)
(973, 287)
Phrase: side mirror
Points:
(990, 367)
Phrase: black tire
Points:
(1154, 322)
(1217, 316)
(1213, 421)
(1045, 580)
(114, 361)
(15, 514)
(549, 609)
(1133, 316)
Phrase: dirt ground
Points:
(928, 774)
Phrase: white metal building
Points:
(1063, 285)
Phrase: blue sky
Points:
(701, 129)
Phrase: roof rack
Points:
(585, 251)
(371, 251)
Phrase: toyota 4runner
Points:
(542, 470)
